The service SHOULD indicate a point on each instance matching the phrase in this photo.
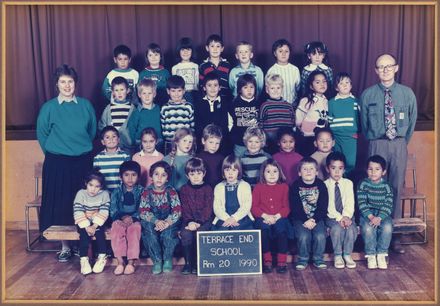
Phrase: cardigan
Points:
(244, 195)
(270, 199)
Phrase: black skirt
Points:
(62, 178)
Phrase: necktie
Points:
(390, 116)
(338, 199)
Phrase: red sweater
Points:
(270, 199)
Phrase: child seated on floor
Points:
(160, 213)
(90, 211)
(124, 211)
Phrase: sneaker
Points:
(349, 262)
(157, 267)
(282, 269)
(301, 265)
(339, 262)
(85, 266)
(372, 263)
(99, 265)
(267, 268)
(75, 251)
(186, 269)
(382, 261)
(64, 255)
(167, 266)
(319, 264)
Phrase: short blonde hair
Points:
(146, 83)
(254, 131)
(272, 79)
(244, 43)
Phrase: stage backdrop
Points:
(39, 38)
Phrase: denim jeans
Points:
(276, 232)
(310, 240)
(342, 239)
(377, 240)
(160, 245)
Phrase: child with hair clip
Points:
(160, 213)
(148, 155)
(90, 211)
(232, 198)
(196, 197)
(156, 71)
(287, 158)
(312, 112)
(317, 58)
(183, 148)
(270, 206)
(186, 68)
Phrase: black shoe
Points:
(281, 269)
(267, 269)
(186, 269)
(64, 255)
(194, 270)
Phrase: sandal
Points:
(119, 270)
(129, 269)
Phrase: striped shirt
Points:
(375, 199)
(291, 77)
(91, 209)
(275, 114)
(343, 115)
(119, 113)
(251, 164)
(108, 164)
(222, 70)
(174, 116)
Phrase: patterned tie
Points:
(390, 116)
(338, 199)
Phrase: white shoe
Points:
(100, 263)
(349, 262)
(339, 262)
(85, 266)
(372, 262)
(382, 261)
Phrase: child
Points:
(182, 150)
(244, 54)
(118, 112)
(287, 157)
(232, 199)
(176, 113)
(275, 112)
(90, 211)
(156, 71)
(343, 231)
(214, 46)
(212, 108)
(243, 112)
(308, 208)
(375, 199)
(343, 118)
(311, 112)
(186, 68)
(281, 49)
(148, 155)
(197, 198)
(122, 59)
(109, 159)
(124, 211)
(160, 213)
(212, 137)
(270, 206)
(324, 143)
(254, 156)
(146, 115)
(317, 57)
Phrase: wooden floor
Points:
(38, 276)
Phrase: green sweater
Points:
(375, 199)
(142, 118)
(67, 128)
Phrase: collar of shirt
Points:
(207, 60)
(177, 103)
(141, 107)
(154, 69)
(61, 100)
(118, 150)
(218, 99)
(251, 65)
(317, 98)
(338, 96)
(155, 153)
(313, 67)
(247, 100)
(115, 102)
(383, 88)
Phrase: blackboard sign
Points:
(229, 252)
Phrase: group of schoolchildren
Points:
(159, 199)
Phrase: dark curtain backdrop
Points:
(39, 38)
